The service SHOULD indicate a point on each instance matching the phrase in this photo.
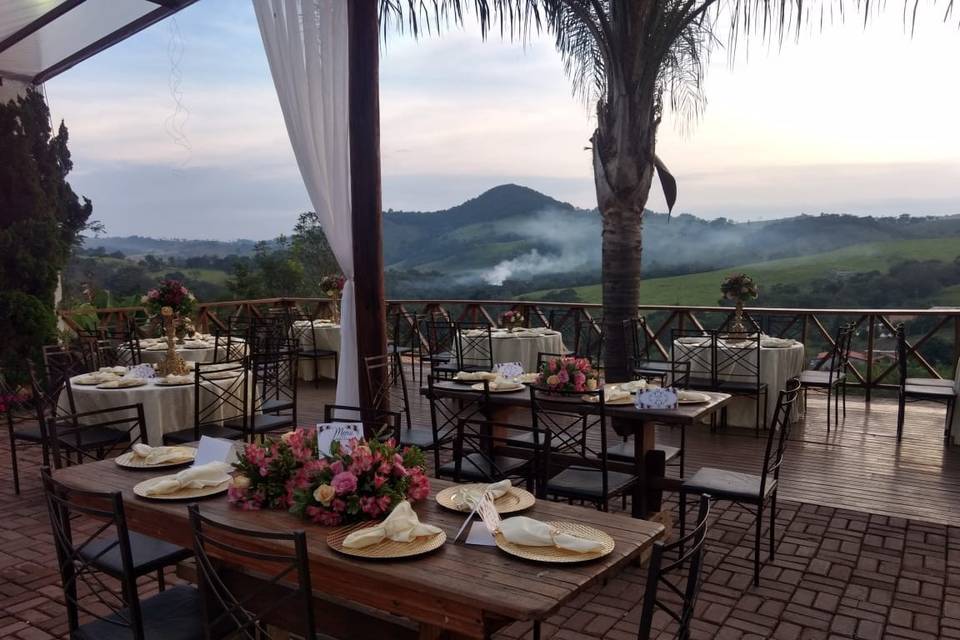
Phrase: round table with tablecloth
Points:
(165, 408)
(521, 346)
(153, 350)
(780, 360)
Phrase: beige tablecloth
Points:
(777, 365)
(522, 347)
(328, 337)
(165, 409)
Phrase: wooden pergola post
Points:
(365, 185)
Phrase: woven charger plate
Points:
(183, 494)
(515, 500)
(133, 461)
(387, 549)
(556, 555)
(692, 397)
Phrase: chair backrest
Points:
(779, 433)
(694, 350)
(387, 384)
(275, 379)
(220, 395)
(125, 425)
(284, 578)
(86, 590)
(51, 397)
(60, 363)
(440, 335)
(402, 329)
(566, 418)
(738, 361)
(901, 355)
(446, 412)
(588, 341)
(377, 423)
(474, 345)
(666, 569)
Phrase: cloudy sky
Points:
(177, 131)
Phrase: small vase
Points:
(738, 331)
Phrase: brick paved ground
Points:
(838, 574)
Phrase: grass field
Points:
(703, 288)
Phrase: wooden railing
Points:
(933, 343)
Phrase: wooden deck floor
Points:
(858, 466)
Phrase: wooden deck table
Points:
(458, 591)
(627, 420)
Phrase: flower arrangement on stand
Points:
(170, 303)
(568, 373)
(739, 288)
(359, 480)
(511, 319)
(332, 287)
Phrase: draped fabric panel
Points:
(306, 42)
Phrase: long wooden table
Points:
(627, 420)
(459, 591)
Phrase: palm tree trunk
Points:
(622, 245)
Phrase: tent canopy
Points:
(42, 38)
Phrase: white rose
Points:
(241, 482)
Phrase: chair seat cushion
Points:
(420, 438)
(934, 393)
(930, 382)
(149, 554)
(623, 451)
(587, 482)
(654, 366)
(28, 433)
(263, 422)
(741, 386)
(174, 614)
(820, 378)
(95, 437)
(186, 435)
(476, 466)
(276, 404)
(317, 353)
(720, 483)
(476, 367)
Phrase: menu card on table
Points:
(342, 432)
(509, 370)
(215, 450)
(658, 398)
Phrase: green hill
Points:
(703, 288)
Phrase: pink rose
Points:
(344, 482)
(563, 377)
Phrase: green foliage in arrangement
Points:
(40, 223)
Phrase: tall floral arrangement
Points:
(169, 293)
(568, 373)
(358, 481)
(332, 285)
(511, 319)
(739, 287)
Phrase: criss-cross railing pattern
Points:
(873, 365)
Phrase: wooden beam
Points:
(39, 23)
(365, 185)
(110, 39)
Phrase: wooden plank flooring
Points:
(858, 466)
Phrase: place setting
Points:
(506, 497)
(210, 474)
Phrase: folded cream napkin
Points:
(475, 376)
(163, 455)
(402, 525)
(615, 395)
(524, 333)
(95, 378)
(122, 383)
(172, 379)
(114, 370)
(470, 496)
(533, 533)
(694, 341)
(196, 344)
(528, 377)
(160, 346)
(633, 385)
(206, 475)
(502, 383)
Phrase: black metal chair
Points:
(402, 334)
(917, 389)
(750, 490)
(305, 333)
(377, 423)
(474, 346)
(439, 348)
(274, 391)
(833, 381)
(220, 403)
(22, 428)
(485, 451)
(112, 550)
(666, 562)
(588, 341)
(638, 339)
(250, 616)
(231, 344)
(446, 412)
(92, 435)
(694, 351)
(738, 372)
(387, 371)
(566, 418)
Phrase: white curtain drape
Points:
(307, 47)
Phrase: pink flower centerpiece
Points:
(568, 374)
(169, 293)
(360, 481)
(511, 319)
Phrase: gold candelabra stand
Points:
(172, 363)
